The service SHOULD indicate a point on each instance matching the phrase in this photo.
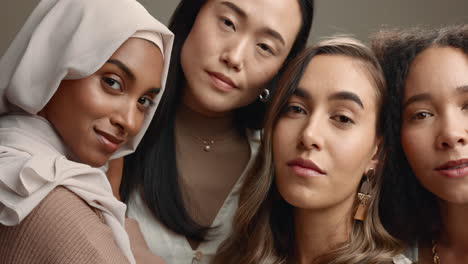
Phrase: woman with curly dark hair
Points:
(425, 190)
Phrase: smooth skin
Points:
(434, 131)
(96, 115)
(330, 120)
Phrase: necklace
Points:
(207, 143)
(435, 256)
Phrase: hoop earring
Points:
(364, 197)
(264, 95)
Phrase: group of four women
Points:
(260, 150)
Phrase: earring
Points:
(364, 197)
(264, 95)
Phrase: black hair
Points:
(408, 210)
(152, 169)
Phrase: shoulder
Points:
(61, 229)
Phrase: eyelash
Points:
(420, 115)
(343, 119)
(148, 100)
(266, 48)
(106, 81)
(228, 23)
(144, 101)
(294, 109)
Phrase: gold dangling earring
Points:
(364, 197)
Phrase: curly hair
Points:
(408, 210)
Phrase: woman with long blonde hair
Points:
(312, 195)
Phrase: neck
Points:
(454, 233)
(192, 122)
(319, 231)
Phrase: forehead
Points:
(142, 57)
(281, 15)
(437, 68)
(327, 74)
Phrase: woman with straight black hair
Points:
(182, 182)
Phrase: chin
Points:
(95, 161)
(455, 197)
(297, 196)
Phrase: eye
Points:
(421, 115)
(342, 119)
(228, 23)
(112, 83)
(294, 110)
(146, 102)
(265, 48)
(465, 106)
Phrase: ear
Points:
(375, 155)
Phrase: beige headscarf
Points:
(63, 39)
(66, 39)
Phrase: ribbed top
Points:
(64, 229)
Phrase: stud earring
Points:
(264, 95)
(364, 197)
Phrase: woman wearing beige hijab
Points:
(78, 85)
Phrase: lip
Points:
(454, 168)
(222, 82)
(305, 168)
(110, 142)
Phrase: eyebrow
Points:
(154, 91)
(347, 96)
(428, 97)
(417, 98)
(301, 92)
(124, 68)
(131, 76)
(235, 8)
(268, 31)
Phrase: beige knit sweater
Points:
(64, 229)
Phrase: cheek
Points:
(416, 146)
(285, 135)
(262, 73)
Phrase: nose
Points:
(234, 55)
(128, 120)
(312, 134)
(452, 132)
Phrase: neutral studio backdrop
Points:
(357, 17)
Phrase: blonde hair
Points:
(263, 224)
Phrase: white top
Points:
(410, 256)
(174, 248)
(402, 259)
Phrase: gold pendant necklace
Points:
(435, 256)
(207, 143)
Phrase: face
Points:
(435, 122)
(98, 114)
(234, 48)
(325, 139)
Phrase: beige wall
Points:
(358, 17)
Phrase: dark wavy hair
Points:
(408, 210)
(151, 170)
